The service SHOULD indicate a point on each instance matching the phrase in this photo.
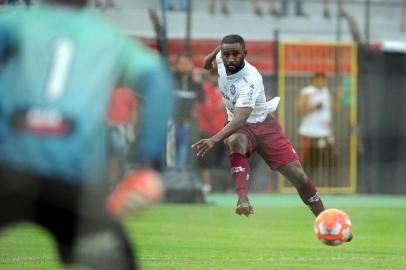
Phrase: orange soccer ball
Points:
(333, 227)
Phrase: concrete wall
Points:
(132, 16)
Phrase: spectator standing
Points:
(181, 5)
(284, 4)
(326, 8)
(108, 4)
(211, 115)
(403, 16)
(224, 7)
(9, 2)
(272, 9)
(188, 91)
(315, 108)
(122, 120)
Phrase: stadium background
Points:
(362, 54)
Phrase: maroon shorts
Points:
(268, 139)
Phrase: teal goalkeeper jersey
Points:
(59, 69)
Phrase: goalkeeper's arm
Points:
(157, 88)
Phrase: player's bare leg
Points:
(295, 174)
(240, 168)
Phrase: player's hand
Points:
(138, 190)
(203, 146)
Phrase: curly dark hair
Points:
(230, 39)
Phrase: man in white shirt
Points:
(315, 107)
(252, 126)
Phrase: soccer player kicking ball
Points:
(252, 126)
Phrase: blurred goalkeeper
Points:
(59, 66)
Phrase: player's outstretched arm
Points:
(208, 59)
(241, 115)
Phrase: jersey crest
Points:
(232, 89)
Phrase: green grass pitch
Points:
(279, 236)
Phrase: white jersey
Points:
(317, 123)
(243, 89)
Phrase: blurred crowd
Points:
(275, 8)
(14, 2)
(200, 112)
(96, 3)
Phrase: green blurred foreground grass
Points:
(279, 236)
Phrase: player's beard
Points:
(238, 67)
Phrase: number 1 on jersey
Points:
(61, 64)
